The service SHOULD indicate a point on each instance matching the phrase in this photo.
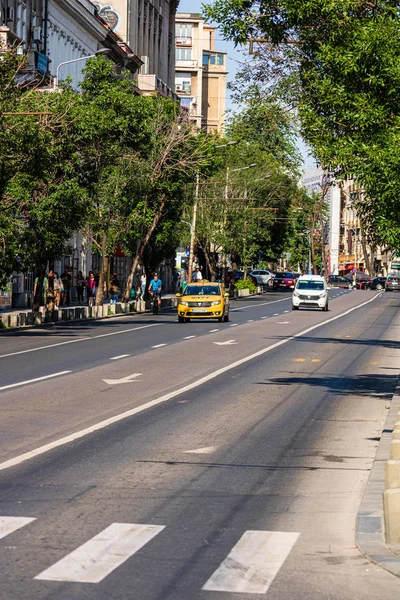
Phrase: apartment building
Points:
(147, 26)
(200, 72)
(56, 36)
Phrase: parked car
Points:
(392, 283)
(377, 283)
(311, 291)
(263, 276)
(284, 280)
(337, 281)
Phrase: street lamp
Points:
(101, 52)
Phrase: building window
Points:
(183, 30)
(212, 59)
(183, 53)
(183, 82)
(220, 59)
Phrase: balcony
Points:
(151, 84)
(183, 41)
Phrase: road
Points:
(163, 461)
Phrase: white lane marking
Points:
(10, 524)
(227, 343)
(261, 304)
(213, 330)
(276, 314)
(97, 558)
(253, 563)
(17, 460)
(127, 379)
(189, 337)
(85, 339)
(159, 346)
(283, 322)
(28, 381)
(265, 317)
(207, 450)
(233, 325)
(250, 320)
(285, 311)
(120, 356)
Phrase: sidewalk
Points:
(24, 317)
(370, 527)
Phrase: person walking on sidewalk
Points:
(143, 280)
(90, 288)
(80, 286)
(114, 289)
(58, 284)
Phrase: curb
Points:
(370, 529)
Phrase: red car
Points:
(284, 281)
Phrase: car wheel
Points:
(220, 319)
(295, 307)
(378, 287)
(326, 307)
(181, 320)
(226, 318)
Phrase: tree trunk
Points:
(139, 255)
(103, 271)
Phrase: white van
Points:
(311, 292)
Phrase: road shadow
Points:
(372, 342)
(372, 386)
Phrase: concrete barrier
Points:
(395, 449)
(391, 509)
(392, 474)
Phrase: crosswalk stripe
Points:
(253, 563)
(97, 558)
(10, 524)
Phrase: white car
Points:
(311, 292)
(263, 276)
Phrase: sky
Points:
(235, 56)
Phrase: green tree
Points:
(337, 64)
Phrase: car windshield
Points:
(202, 290)
(393, 279)
(310, 285)
(284, 275)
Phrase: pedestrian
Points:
(80, 286)
(197, 275)
(65, 294)
(58, 284)
(175, 280)
(90, 288)
(114, 289)
(143, 280)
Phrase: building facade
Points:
(200, 72)
(147, 26)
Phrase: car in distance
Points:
(203, 300)
(263, 276)
(376, 283)
(337, 281)
(240, 275)
(284, 280)
(392, 283)
(310, 292)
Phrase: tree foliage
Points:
(335, 62)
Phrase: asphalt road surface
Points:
(149, 460)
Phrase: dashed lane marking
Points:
(315, 360)
(84, 339)
(233, 325)
(28, 381)
(120, 356)
(159, 345)
(207, 450)
(97, 558)
(213, 330)
(189, 337)
(21, 458)
(250, 320)
(299, 360)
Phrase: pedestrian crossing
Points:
(249, 568)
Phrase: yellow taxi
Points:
(203, 300)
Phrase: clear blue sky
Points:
(235, 57)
